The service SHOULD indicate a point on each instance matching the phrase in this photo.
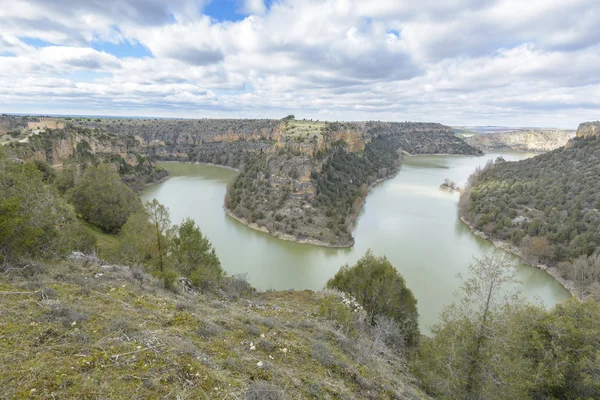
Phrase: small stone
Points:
(252, 348)
(262, 335)
(260, 364)
(32, 391)
(284, 350)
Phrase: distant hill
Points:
(531, 140)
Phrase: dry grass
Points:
(100, 334)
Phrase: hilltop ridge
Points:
(527, 140)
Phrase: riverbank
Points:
(150, 184)
(315, 242)
(285, 236)
(553, 272)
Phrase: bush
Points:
(195, 257)
(34, 220)
(382, 291)
(102, 199)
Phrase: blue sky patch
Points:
(224, 10)
(35, 42)
(123, 49)
(394, 32)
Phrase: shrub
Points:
(196, 258)
(382, 291)
(34, 220)
(102, 199)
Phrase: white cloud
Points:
(256, 7)
(456, 62)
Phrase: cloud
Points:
(256, 7)
(456, 62)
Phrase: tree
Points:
(195, 257)
(536, 249)
(102, 199)
(158, 215)
(564, 348)
(137, 239)
(382, 291)
(34, 221)
(471, 354)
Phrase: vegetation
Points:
(34, 221)
(382, 291)
(102, 199)
(344, 182)
(546, 205)
(149, 240)
(493, 345)
(196, 258)
(80, 328)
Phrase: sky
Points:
(458, 62)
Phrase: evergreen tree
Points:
(102, 199)
(382, 291)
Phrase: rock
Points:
(588, 129)
(536, 140)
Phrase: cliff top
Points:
(588, 129)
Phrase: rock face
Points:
(77, 148)
(588, 129)
(535, 140)
(56, 147)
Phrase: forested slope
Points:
(548, 205)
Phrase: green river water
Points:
(407, 218)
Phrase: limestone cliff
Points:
(532, 140)
(588, 129)
(76, 148)
(55, 147)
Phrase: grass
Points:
(304, 129)
(106, 245)
(80, 329)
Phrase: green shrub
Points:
(102, 199)
(381, 290)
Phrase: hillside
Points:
(532, 140)
(80, 328)
(300, 180)
(310, 186)
(73, 149)
(548, 205)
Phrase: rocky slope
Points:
(588, 129)
(81, 328)
(535, 140)
(75, 148)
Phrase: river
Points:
(407, 219)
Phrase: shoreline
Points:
(150, 184)
(553, 272)
(198, 163)
(311, 241)
(284, 236)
